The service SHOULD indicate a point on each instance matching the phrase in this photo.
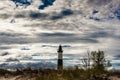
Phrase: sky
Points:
(31, 31)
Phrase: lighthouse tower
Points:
(60, 58)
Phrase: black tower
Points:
(60, 58)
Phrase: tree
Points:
(86, 61)
(99, 61)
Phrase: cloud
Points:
(56, 34)
(11, 37)
(4, 47)
(18, 65)
(15, 40)
(87, 25)
(62, 14)
(22, 2)
(98, 2)
(66, 12)
(46, 3)
(11, 66)
(4, 16)
(4, 54)
(45, 38)
(37, 15)
(117, 55)
(95, 11)
(20, 15)
(11, 34)
(64, 46)
(42, 65)
(31, 15)
(56, 37)
(2, 8)
(85, 10)
(64, 37)
(95, 18)
(99, 34)
(11, 60)
(44, 16)
(56, 17)
(25, 57)
(25, 3)
(117, 12)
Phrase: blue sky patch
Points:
(22, 2)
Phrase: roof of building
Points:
(60, 49)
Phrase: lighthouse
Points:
(60, 58)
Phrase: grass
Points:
(66, 74)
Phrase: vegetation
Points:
(97, 71)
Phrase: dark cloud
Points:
(117, 56)
(15, 40)
(25, 57)
(18, 65)
(95, 18)
(62, 14)
(71, 37)
(117, 12)
(66, 12)
(20, 16)
(46, 3)
(56, 17)
(99, 34)
(37, 15)
(9, 37)
(42, 65)
(57, 37)
(26, 3)
(74, 56)
(11, 34)
(95, 11)
(4, 54)
(32, 15)
(47, 26)
(64, 37)
(4, 16)
(116, 65)
(22, 2)
(44, 16)
(12, 66)
(65, 46)
(103, 34)
(4, 47)
(11, 60)
(2, 8)
(56, 34)
(47, 37)
(33, 25)
(25, 48)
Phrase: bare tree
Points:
(86, 61)
(98, 60)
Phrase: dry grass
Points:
(52, 74)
